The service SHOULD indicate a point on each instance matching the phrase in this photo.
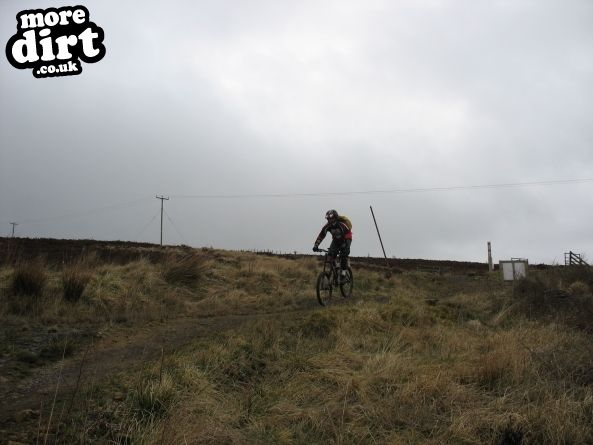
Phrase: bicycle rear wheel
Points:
(324, 288)
(347, 283)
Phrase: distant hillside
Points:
(63, 250)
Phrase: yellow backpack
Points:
(345, 220)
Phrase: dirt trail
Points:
(114, 354)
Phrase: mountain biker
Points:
(341, 239)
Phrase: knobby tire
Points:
(346, 288)
(324, 288)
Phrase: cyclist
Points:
(340, 229)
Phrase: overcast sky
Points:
(281, 97)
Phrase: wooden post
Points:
(490, 267)
(377, 227)
(162, 198)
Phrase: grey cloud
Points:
(291, 97)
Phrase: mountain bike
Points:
(331, 278)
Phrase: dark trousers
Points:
(341, 247)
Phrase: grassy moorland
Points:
(410, 358)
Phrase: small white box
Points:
(513, 269)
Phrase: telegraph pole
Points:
(13, 224)
(162, 198)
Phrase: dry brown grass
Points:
(303, 384)
(185, 268)
(75, 278)
(400, 372)
(247, 283)
(413, 359)
(23, 288)
(29, 278)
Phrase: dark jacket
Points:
(339, 231)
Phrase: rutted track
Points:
(108, 357)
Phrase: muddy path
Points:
(125, 350)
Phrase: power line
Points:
(176, 229)
(388, 191)
(136, 202)
(124, 205)
(147, 225)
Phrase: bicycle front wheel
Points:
(347, 283)
(324, 288)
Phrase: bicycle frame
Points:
(333, 264)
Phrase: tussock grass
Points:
(247, 283)
(75, 278)
(24, 288)
(555, 280)
(579, 289)
(29, 278)
(562, 295)
(184, 269)
(151, 398)
(105, 294)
